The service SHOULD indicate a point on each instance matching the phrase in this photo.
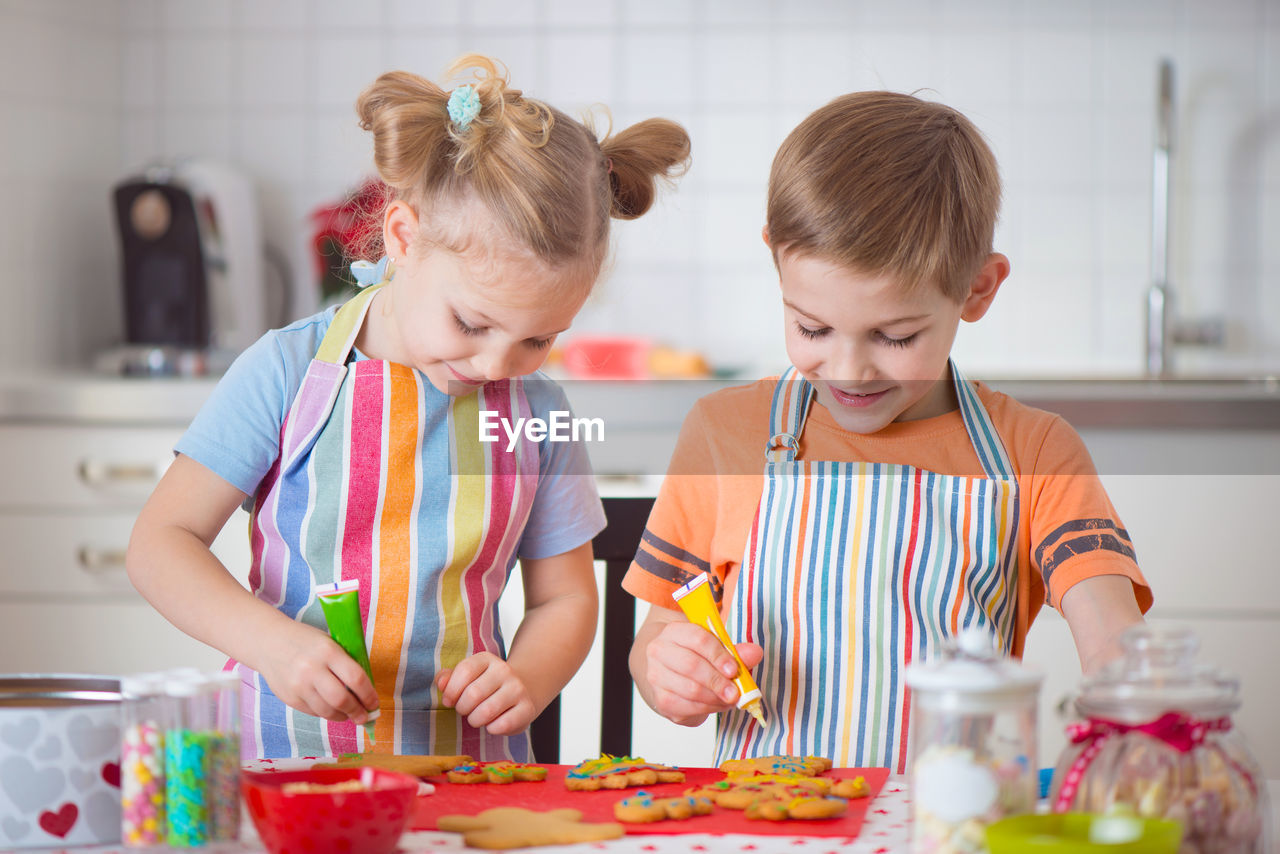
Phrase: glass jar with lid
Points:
(1155, 736)
(973, 744)
(142, 781)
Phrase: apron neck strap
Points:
(793, 395)
(982, 430)
(340, 337)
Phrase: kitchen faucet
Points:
(1164, 329)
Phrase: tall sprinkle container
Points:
(224, 762)
(142, 781)
(188, 742)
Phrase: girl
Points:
(353, 439)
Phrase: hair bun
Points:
(639, 156)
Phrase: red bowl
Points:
(366, 822)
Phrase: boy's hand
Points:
(691, 674)
(310, 672)
(488, 693)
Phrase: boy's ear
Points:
(764, 232)
(984, 287)
(399, 228)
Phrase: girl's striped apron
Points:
(854, 570)
(382, 478)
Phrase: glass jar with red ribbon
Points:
(1155, 737)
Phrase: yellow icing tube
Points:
(340, 602)
(699, 606)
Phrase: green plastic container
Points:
(1083, 833)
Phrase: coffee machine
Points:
(193, 273)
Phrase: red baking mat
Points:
(473, 798)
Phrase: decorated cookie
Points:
(821, 785)
(741, 794)
(774, 798)
(854, 788)
(496, 772)
(804, 808)
(418, 766)
(643, 807)
(513, 827)
(791, 766)
(618, 772)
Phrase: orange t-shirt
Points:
(1067, 528)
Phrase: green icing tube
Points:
(340, 602)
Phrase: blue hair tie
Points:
(367, 273)
(464, 106)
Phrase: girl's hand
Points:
(690, 674)
(488, 693)
(311, 673)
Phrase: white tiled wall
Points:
(1064, 90)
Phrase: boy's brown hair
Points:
(885, 183)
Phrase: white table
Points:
(886, 830)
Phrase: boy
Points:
(899, 503)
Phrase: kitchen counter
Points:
(1106, 403)
(87, 398)
(1196, 404)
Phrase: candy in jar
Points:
(973, 744)
(142, 781)
(1155, 736)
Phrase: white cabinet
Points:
(1204, 538)
(68, 501)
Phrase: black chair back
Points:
(616, 545)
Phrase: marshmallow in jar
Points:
(973, 744)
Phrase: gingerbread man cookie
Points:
(513, 827)
(740, 794)
(804, 807)
(772, 798)
(791, 766)
(822, 785)
(496, 772)
(618, 772)
(417, 766)
(852, 788)
(643, 807)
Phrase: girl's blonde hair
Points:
(551, 185)
(885, 183)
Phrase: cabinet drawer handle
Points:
(96, 473)
(96, 561)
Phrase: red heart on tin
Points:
(111, 773)
(59, 823)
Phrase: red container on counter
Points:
(329, 810)
(608, 357)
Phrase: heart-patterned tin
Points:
(59, 760)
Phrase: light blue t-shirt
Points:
(236, 435)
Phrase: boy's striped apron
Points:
(382, 478)
(854, 570)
